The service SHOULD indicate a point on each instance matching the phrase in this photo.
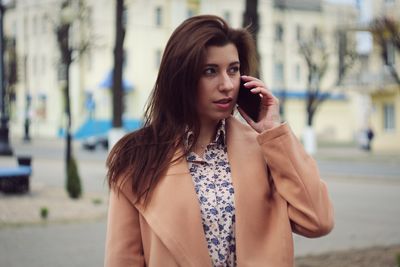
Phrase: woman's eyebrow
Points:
(216, 65)
(211, 65)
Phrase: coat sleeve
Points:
(123, 240)
(296, 177)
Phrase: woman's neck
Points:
(207, 133)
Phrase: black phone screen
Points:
(249, 102)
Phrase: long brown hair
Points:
(144, 155)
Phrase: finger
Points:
(254, 83)
(248, 79)
(263, 91)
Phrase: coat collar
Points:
(173, 212)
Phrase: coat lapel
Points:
(252, 189)
(173, 211)
(174, 215)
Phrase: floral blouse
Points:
(213, 185)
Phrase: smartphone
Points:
(249, 102)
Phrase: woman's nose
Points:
(226, 83)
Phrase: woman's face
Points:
(219, 83)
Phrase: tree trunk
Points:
(309, 140)
(5, 148)
(68, 153)
(117, 130)
(118, 62)
(250, 17)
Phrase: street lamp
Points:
(5, 148)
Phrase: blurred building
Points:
(373, 81)
(285, 68)
(149, 24)
(385, 97)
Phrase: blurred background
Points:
(75, 76)
(333, 64)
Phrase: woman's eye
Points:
(234, 69)
(209, 71)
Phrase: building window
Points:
(190, 13)
(390, 54)
(125, 17)
(158, 58)
(34, 25)
(34, 65)
(125, 58)
(44, 24)
(89, 17)
(299, 31)
(316, 33)
(278, 32)
(14, 28)
(278, 72)
(26, 29)
(389, 117)
(43, 65)
(297, 71)
(89, 60)
(227, 16)
(158, 18)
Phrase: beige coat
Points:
(269, 204)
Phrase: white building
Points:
(149, 24)
(372, 79)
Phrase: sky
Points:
(364, 39)
(342, 1)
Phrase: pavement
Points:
(364, 187)
(48, 179)
(47, 189)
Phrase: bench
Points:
(16, 179)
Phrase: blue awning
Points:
(101, 127)
(294, 94)
(107, 83)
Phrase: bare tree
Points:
(316, 55)
(386, 33)
(69, 53)
(117, 130)
(10, 71)
(5, 148)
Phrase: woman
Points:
(196, 187)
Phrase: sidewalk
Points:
(47, 182)
(47, 190)
(17, 210)
(379, 227)
(354, 153)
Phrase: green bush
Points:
(398, 259)
(97, 201)
(74, 187)
(44, 213)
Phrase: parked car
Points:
(95, 141)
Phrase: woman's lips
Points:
(224, 103)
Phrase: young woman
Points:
(197, 187)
